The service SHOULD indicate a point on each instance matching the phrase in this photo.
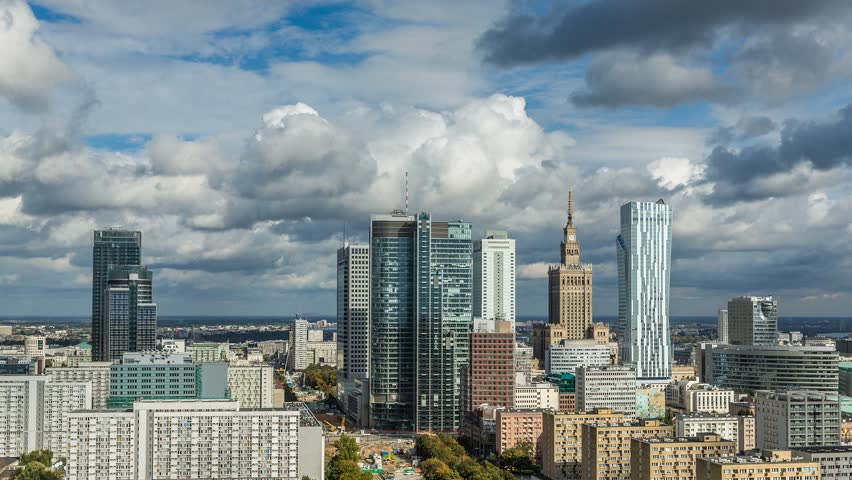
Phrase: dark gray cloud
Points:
(746, 128)
(620, 78)
(649, 25)
(744, 174)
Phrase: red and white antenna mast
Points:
(406, 192)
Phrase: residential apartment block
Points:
(251, 385)
(794, 419)
(767, 465)
(94, 373)
(611, 387)
(606, 447)
(674, 458)
(516, 427)
(562, 440)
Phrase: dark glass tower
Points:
(111, 247)
(421, 311)
(129, 310)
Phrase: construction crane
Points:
(333, 428)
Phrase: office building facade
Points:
(490, 374)
(353, 318)
(793, 419)
(152, 376)
(569, 314)
(644, 250)
(569, 355)
(130, 314)
(691, 424)
(612, 387)
(748, 368)
(753, 321)
(421, 309)
(111, 247)
(494, 277)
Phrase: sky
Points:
(247, 139)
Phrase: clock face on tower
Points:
(570, 238)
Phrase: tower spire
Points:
(570, 207)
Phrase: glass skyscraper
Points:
(111, 247)
(392, 303)
(644, 268)
(753, 321)
(129, 310)
(421, 311)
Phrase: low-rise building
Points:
(768, 465)
(606, 387)
(835, 461)
(518, 427)
(693, 396)
(203, 352)
(746, 433)
(568, 355)
(562, 440)
(17, 366)
(537, 396)
(674, 458)
(691, 424)
(606, 447)
(795, 419)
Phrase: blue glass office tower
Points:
(644, 265)
(111, 247)
(421, 303)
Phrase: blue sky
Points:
(241, 136)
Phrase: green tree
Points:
(44, 457)
(344, 464)
(347, 449)
(322, 378)
(37, 471)
(519, 460)
(434, 469)
(668, 417)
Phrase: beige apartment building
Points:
(516, 427)
(768, 465)
(561, 440)
(606, 447)
(674, 458)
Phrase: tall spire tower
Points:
(569, 293)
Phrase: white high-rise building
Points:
(723, 325)
(251, 385)
(690, 425)
(211, 439)
(572, 354)
(611, 387)
(34, 410)
(644, 250)
(94, 373)
(298, 359)
(494, 277)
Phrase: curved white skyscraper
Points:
(644, 266)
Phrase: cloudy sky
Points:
(242, 135)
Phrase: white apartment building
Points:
(208, 352)
(537, 396)
(494, 277)
(353, 320)
(696, 397)
(691, 424)
(796, 418)
(94, 373)
(747, 432)
(571, 354)
(723, 326)
(34, 410)
(194, 439)
(321, 353)
(251, 385)
(298, 356)
(611, 387)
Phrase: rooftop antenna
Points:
(345, 238)
(406, 192)
(570, 206)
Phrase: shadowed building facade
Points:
(111, 247)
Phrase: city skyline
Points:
(243, 215)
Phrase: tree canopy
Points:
(322, 378)
(344, 464)
(445, 459)
(36, 466)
